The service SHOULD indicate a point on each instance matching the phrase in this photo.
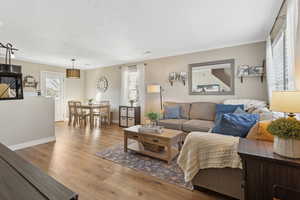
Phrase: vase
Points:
(153, 123)
(287, 147)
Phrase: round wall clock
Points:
(102, 84)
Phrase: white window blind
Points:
(133, 84)
(279, 66)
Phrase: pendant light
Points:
(72, 72)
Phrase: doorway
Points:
(52, 85)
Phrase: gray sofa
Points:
(200, 116)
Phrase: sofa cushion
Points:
(172, 123)
(203, 111)
(197, 125)
(184, 111)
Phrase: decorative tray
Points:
(151, 129)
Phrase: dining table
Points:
(92, 107)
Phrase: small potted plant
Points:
(90, 101)
(153, 117)
(286, 133)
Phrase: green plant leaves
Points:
(285, 128)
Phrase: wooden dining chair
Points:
(71, 107)
(80, 115)
(102, 114)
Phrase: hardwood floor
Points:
(72, 161)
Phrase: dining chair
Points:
(80, 115)
(102, 114)
(71, 107)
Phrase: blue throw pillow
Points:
(224, 108)
(240, 111)
(236, 124)
(172, 112)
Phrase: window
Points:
(279, 65)
(133, 87)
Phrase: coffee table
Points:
(168, 139)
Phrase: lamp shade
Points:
(153, 89)
(73, 73)
(286, 101)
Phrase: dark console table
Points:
(266, 174)
(21, 180)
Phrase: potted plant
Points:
(153, 117)
(286, 133)
(90, 101)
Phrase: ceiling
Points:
(107, 32)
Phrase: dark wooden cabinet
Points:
(21, 180)
(266, 173)
(129, 116)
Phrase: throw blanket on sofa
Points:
(208, 150)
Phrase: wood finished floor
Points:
(72, 161)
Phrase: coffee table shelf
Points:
(168, 139)
(163, 155)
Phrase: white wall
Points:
(74, 88)
(26, 121)
(113, 93)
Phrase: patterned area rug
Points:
(157, 168)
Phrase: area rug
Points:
(170, 173)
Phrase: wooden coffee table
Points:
(168, 139)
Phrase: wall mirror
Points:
(212, 78)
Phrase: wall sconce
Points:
(177, 76)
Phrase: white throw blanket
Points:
(208, 150)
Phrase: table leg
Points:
(70, 119)
(169, 153)
(180, 143)
(179, 146)
(125, 143)
(109, 117)
(91, 119)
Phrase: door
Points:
(52, 85)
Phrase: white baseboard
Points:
(32, 143)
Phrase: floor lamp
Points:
(155, 89)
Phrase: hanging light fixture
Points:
(72, 72)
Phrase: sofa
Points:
(200, 116)
(197, 116)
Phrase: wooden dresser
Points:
(266, 173)
(129, 116)
(21, 180)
